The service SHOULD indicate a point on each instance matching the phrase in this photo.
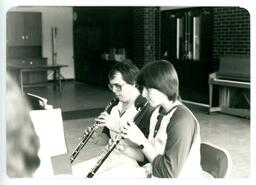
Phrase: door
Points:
(88, 44)
(186, 42)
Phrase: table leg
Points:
(21, 80)
(210, 97)
(228, 97)
(59, 78)
(55, 78)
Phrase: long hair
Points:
(160, 75)
(128, 70)
(22, 142)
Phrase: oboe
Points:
(112, 146)
(86, 137)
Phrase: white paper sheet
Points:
(49, 127)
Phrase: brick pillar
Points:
(146, 35)
(138, 36)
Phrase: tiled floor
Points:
(229, 132)
(74, 96)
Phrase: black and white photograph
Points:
(124, 91)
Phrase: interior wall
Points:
(60, 17)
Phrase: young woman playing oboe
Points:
(173, 144)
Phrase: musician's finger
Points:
(124, 132)
(121, 148)
(102, 116)
(110, 141)
(86, 132)
(127, 126)
(100, 120)
(89, 129)
(130, 123)
(105, 114)
(124, 135)
(124, 128)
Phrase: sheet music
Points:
(48, 125)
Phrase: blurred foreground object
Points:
(22, 142)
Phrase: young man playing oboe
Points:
(122, 79)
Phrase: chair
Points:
(215, 160)
(36, 102)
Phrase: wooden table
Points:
(33, 68)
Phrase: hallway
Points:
(80, 103)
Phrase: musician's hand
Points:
(121, 147)
(103, 119)
(86, 131)
(94, 137)
(133, 133)
(106, 120)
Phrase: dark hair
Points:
(128, 70)
(160, 75)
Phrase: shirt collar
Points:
(175, 104)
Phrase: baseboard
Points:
(80, 114)
(196, 103)
(63, 80)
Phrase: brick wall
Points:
(146, 35)
(231, 31)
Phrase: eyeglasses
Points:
(117, 86)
